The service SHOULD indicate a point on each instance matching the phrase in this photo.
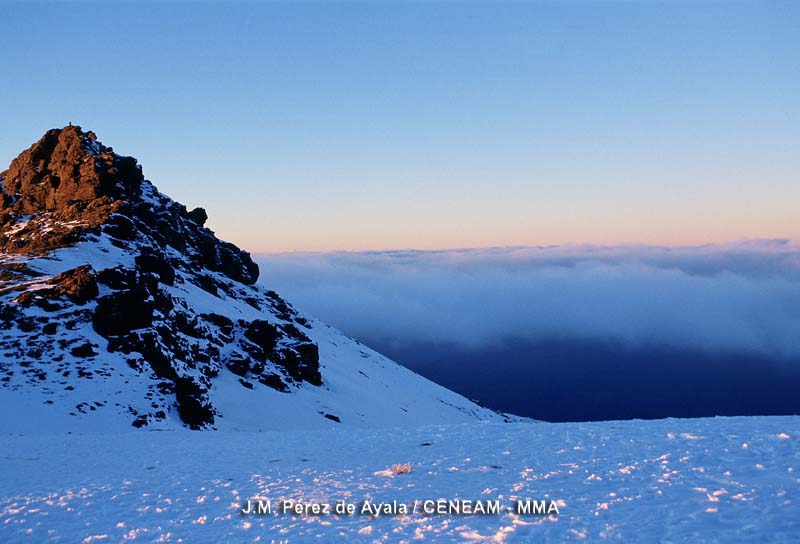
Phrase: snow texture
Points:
(703, 480)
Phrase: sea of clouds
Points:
(740, 296)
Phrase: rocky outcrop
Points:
(70, 190)
(79, 284)
(67, 166)
(68, 185)
(73, 178)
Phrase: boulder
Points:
(79, 284)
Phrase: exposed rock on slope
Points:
(116, 299)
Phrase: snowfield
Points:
(703, 480)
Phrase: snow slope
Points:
(360, 387)
(704, 480)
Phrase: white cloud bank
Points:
(742, 296)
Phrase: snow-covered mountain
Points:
(120, 310)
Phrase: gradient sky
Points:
(368, 126)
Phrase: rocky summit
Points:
(119, 306)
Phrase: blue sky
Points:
(375, 125)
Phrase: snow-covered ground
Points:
(704, 480)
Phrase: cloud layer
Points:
(743, 296)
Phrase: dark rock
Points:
(8, 315)
(294, 333)
(275, 382)
(84, 350)
(117, 277)
(193, 407)
(123, 311)
(225, 325)
(309, 362)
(50, 328)
(139, 422)
(26, 324)
(280, 306)
(163, 301)
(263, 334)
(152, 350)
(238, 365)
(254, 352)
(237, 264)
(209, 371)
(157, 264)
(199, 216)
(302, 321)
(301, 363)
(119, 226)
(208, 284)
(188, 324)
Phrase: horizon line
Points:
(577, 245)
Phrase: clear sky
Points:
(376, 125)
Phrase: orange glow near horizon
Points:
(340, 238)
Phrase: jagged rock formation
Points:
(68, 187)
(104, 278)
(75, 185)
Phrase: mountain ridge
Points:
(111, 291)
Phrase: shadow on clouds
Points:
(576, 332)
